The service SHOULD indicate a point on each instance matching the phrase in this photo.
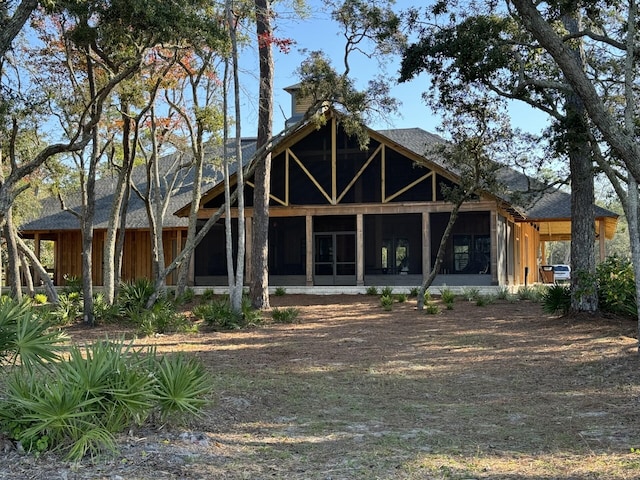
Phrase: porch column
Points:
(493, 225)
(601, 239)
(309, 253)
(359, 249)
(248, 222)
(426, 245)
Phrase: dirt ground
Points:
(352, 391)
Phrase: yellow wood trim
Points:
(359, 174)
(434, 187)
(408, 187)
(271, 196)
(383, 180)
(286, 177)
(312, 178)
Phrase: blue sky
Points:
(319, 32)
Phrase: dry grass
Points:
(354, 391)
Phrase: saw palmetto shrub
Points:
(557, 299)
(77, 402)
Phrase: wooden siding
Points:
(136, 259)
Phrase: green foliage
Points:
(616, 286)
(386, 291)
(372, 290)
(72, 284)
(557, 298)
(386, 301)
(427, 296)
(187, 296)
(285, 315)
(103, 311)
(280, 291)
(533, 294)
(503, 294)
(159, 319)
(431, 308)
(207, 295)
(401, 297)
(134, 296)
(67, 310)
(471, 294)
(484, 300)
(24, 336)
(79, 404)
(40, 299)
(181, 388)
(414, 292)
(219, 314)
(448, 297)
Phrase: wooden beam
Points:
(426, 245)
(411, 185)
(312, 178)
(309, 250)
(359, 174)
(359, 249)
(601, 236)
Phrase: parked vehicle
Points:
(561, 273)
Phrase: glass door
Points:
(335, 258)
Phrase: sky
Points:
(319, 32)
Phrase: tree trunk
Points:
(435, 268)
(584, 288)
(13, 258)
(26, 273)
(12, 28)
(52, 294)
(262, 177)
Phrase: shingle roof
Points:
(549, 203)
(52, 217)
(554, 204)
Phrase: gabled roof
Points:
(53, 218)
(552, 205)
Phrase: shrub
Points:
(414, 292)
(280, 291)
(187, 296)
(134, 296)
(40, 299)
(448, 297)
(503, 294)
(427, 296)
(401, 297)
(471, 293)
(72, 284)
(557, 298)
(207, 295)
(24, 336)
(285, 315)
(160, 318)
(219, 314)
(372, 290)
(78, 405)
(103, 311)
(386, 301)
(386, 291)
(616, 286)
(67, 310)
(431, 308)
(484, 300)
(533, 294)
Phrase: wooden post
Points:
(248, 222)
(426, 245)
(309, 235)
(601, 239)
(36, 251)
(493, 261)
(359, 249)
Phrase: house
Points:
(343, 216)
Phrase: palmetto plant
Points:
(24, 336)
(78, 404)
